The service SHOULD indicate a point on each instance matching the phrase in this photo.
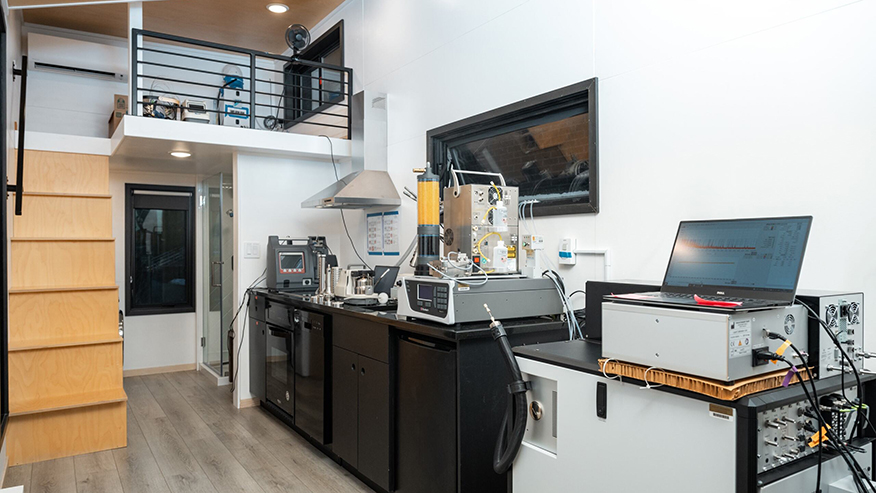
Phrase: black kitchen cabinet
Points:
(425, 415)
(257, 349)
(426, 421)
(345, 405)
(360, 414)
(361, 391)
(374, 414)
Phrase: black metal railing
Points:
(18, 187)
(188, 79)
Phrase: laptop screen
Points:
(742, 257)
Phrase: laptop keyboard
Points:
(686, 296)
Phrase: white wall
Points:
(706, 110)
(267, 196)
(156, 340)
(69, 104)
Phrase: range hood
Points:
(369, 185)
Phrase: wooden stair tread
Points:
(53, 289)
(76, 195)
(44, 405)
(78, 340)
(59, 238)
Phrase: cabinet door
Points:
(345, 409)
(257, 358)
(426, 419)
(374, 438)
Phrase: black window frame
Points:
(294, 74)
(525, 113)
(173, 191)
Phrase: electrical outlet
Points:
(251, 249)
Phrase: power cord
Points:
(343, 219)
(243, 303)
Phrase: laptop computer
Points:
(736, 264)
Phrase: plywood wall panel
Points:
(41, 264)
(59, 172)
(47, 374)
(64, 314)
(39, 437)
(55, 216)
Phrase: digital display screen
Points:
(760, 254)
(425, 292)
(292, 261)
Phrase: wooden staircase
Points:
(65, 353)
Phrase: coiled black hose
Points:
(514, 422)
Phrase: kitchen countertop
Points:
(448, 332)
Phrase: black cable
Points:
(836, 342)
(514, 421)
(343, 219)
(576, 292)
(849, 460)
(243, 303)
(773, 335)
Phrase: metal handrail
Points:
(300, 115)
(18, 187)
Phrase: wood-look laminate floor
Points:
(184, 435)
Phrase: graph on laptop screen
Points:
(755, 254)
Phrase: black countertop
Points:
(431, 329)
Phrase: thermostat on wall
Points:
(567, 251)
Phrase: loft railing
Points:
(188, 79)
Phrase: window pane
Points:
(548, 161)
(160, 257)
(333, 89)
(314, 83)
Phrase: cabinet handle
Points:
(363, 371)
(353, 367)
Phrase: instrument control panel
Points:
(785, 432)
(429, 297)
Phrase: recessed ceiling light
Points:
(278, 8)
(181, 154)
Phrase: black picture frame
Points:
(528, 112)
(191, 303)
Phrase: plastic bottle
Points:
(500, 257)
(500, 217)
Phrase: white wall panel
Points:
(400, 31)
(487, 67)
(632, 34)
(156, 340)
(267, 201)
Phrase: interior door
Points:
(217, 234)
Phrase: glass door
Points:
(217, 193)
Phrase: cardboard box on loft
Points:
(120, 108)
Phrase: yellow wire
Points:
(484, 219)
(484, 238)
(497, 190)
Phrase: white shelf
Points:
(145, 144)
(73, 144)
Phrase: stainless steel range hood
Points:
(369, 185)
